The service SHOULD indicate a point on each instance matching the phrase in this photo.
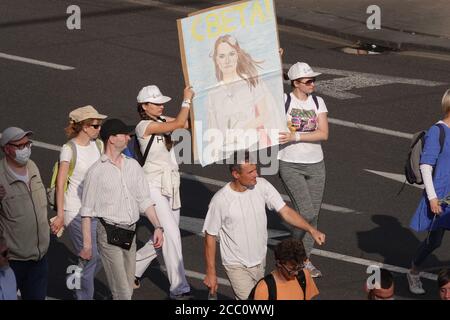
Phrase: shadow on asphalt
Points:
(397, 245)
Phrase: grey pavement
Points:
(123, 45)
(405, 24)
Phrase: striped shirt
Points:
(115, 194)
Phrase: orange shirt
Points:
(288, 290)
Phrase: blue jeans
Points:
(430, 244)
(31, 277)
(87, 279)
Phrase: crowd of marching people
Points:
(101, 192)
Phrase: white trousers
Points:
(171, 249)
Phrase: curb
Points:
(392, 44)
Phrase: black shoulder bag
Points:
(118, 236)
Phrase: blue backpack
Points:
(133, 149)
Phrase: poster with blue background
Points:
(230, 57)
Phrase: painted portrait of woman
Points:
(241, 99)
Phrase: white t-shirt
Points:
(303, 115)
(86, 156)
(159, 158)
(240, 221)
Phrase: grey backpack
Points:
(412, 171)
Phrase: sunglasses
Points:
(308, 82)
(22, 145)
(293, 271)
(95, 126)
(5, 253)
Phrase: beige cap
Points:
(86, 112)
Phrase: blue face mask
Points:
(22, 156)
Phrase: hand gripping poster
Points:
(230, 56)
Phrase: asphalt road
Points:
(123, 46)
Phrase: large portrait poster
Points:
(230, 56)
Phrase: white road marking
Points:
(44, 145)
(200, 276)
(365, 262)
(365, 127)
(218, 183)
(394, 176)
(338, 88)
(37, 62)
(195, 225)
(187, 176)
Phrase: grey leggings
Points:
(304, 184)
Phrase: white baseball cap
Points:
(13, 134)
(301, 70)
(152, 94)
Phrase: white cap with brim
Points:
(12, 134)
(301, 70)
(152, 94)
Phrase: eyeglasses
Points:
(444, 290)
(293, 271)
(95, 126)
(22, 145)
(5, 253)
(308, 82)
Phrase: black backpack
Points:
(288, 102)
(412, 170)
(272, 286)
(133, 149)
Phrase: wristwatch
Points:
(159, 227)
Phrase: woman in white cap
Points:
(302, 169)
(76, 157)
(161, 170)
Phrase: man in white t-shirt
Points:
(237, 215)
